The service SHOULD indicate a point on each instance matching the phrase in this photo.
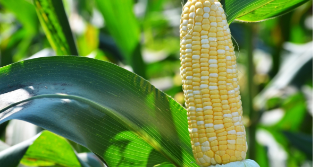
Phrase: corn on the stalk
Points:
(210, 83)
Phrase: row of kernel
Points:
(211, 126)
(209, 41)
(197, 72)
(226, 142)
(207, 105)
(186, 61)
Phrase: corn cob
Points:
(210, 83)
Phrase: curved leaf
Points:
(115, 113)
(258, 10)
(56, 26)
(50, 149)
(43, 149)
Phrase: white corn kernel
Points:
(201, 160)
(196, 92)
(189, 77)
(206, 9)
(213, 75)
(212, 61)
(231, 92)
(213, 87)
(204, 36)
(191, 108)
(220, 51)
(192, 15)
(205, 46)
(209, 125)
(195, 57)
(212, 39)
(213, 65)
(227, 115)
(185, 22)
(184, 28)
(231, 132)
(202, 86)
(205, 144)
(235, 114)
(204, 41)
(204, 77)
(199, 109)
(200, 122)
(213, 24)
(219, 126)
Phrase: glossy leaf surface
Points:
(258, 10)
(113, 112)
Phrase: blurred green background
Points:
(275, 60)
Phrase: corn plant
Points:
(118, 115)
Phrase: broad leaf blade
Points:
(258, 10)
(115, 113)
(56, 26)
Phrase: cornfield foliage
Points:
(103, 76)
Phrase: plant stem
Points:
(251, 91)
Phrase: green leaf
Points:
(258, 10)
(121, 23)
(44, 149)
(50, 149)
(26, 15)
(56, 26)
(295, 111)
(115, 113)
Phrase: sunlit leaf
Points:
(44, 149)
(50, 149)
(56, 26)
(258, 10)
